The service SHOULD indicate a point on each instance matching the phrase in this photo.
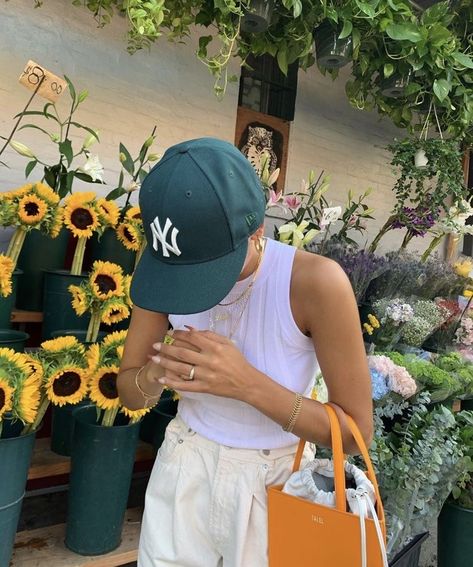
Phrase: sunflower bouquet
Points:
(34, 206)
(103, 363)
(6, 271)
(84, 215)
(130, 231)
(105, 294)
(64, 373)
(20, 388)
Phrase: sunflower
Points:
(114, 339)
(80, 198)
(62, 343)
(16, 193)
(79, 299)
(6, 397)
(109, 211)
(46, 193)
(93, 357)
(36, 367)
(27, 403)
(14, 363)
(32, 209)
(6, 270)
(81, 219)
(120, 350)
(114, 312)
(67, 385)
(133, 213)
(106, 280)
(129, 236)
(57, 223)
(103, 387)
(135, 415)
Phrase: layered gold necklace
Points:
(234, 309)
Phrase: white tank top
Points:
(269, 338)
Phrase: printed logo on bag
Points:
(161, 235)
(317, 519)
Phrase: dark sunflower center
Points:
(136, 216)
(128, 234)
(31, 209)
(2, 398)
(67, 384)
(105, 283)
(81, 218)
(108, 385)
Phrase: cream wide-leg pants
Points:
(206, 503)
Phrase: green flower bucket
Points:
(57, 307)
(13, 339)
(15, 458)
(7, 304)
(102, 460)
(154, 423)
(467, 404)
(455, 536)
(39, 253)
(109, 249)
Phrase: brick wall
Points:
(168, 87)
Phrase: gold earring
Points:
(259, 245)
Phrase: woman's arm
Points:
(146, 328)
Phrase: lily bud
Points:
(154, 157)
(89, 140)
(149, 142)
(54, 138)
(22, 149)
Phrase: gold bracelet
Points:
(147, 397)
(296, 410)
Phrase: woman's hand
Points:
(202, 361)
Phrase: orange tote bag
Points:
(302, 533)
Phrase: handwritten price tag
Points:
(51, 87)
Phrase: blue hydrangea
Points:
(379, 384)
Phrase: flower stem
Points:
(432, 246)
(16, 244)
(43, 406)
(93, 328)
(78, 260)
(387, 226)
(109, 417)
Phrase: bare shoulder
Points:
(316, 274)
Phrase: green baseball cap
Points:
(199, 205)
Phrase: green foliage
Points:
(431, 49)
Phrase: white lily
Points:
(93, 167)
(292, 233)
(330, 215)
(133, 186)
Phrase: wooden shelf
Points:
(45, 547)
(19, 316)
(45, 463)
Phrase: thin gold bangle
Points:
(296, 410)
(147, 397)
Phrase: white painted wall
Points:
(169, 87)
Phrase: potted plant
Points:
(257, 16)
(104, 443)
(333, 46)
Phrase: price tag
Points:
(51, 86)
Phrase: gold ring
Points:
(191, 373)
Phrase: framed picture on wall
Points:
(258, 135)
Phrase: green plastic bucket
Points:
(467, 404)
(79, 334)
(15, 458)
(39, 253)
(158, 418)
(455, 536)
(57, 306)
(7, 304)
(13, 339)
(109, 249)
(102, 460)
(62, 427)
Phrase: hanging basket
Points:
(258, 17)
(331, 51)
(15, 458)
(102, 460)
(394, 87)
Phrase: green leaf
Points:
(82, 96)
(388, 69)
(65, 186)
(412, 88)
(203, 43)
(85, 177)
(35, 127)
(282, 59)
(404, 32)
(356, 35)
(439, 35)
(66, 150)
(142, 174)
(72, 90)
(297, 8)
(463, 59)
(50, 177)
(37, 113)
(368, 9)
(127, 161)
(441, 88)
(346, 30)
(29, 167)
(93, 132)
(115, 194)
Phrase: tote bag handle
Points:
(339, 460)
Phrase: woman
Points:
(253, 319)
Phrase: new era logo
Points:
(161, 235)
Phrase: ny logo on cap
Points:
(162, 234)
